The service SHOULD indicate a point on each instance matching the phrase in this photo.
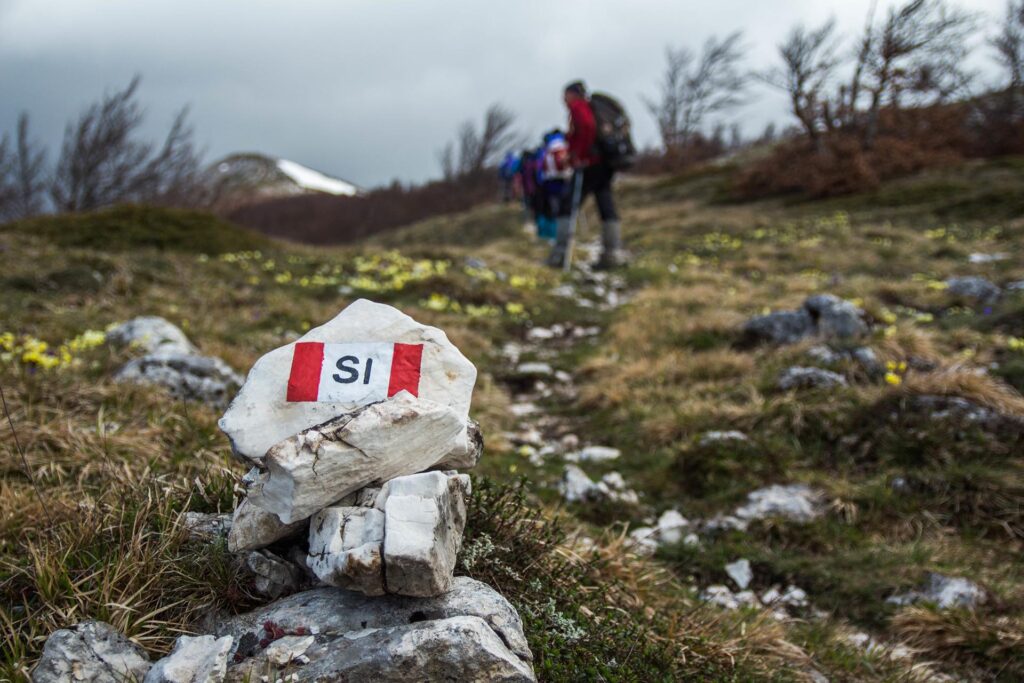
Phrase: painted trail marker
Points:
(358, 373)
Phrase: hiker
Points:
(508, 171)
(596, 158)
(528, 179)
(554, 176)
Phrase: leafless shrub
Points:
(809, 62)
(102, 161)
(1009, 47)
(474, 150)
(22, 175)
(694, 89)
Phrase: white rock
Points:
(809, 378)
(576, 486)
(540, 334)
(288, 649)
(523, 409)
(796, 502)
(90, 651)
(200, 659)
(534, 369)
(708, 438)
(670, 526)
(691, 540)
(720, 596)
(643, 541)
(424, 517)
(253, 528)
(260, 416)
(594, 454)
(740, 572)
(945, 592)
(311, 470)
(346, 548)
(152, 334)
(467, 451)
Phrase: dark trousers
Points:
(597, 181)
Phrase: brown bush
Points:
(325, 219)
(910, 140)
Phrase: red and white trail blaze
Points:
(361, 372)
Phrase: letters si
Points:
(352, 373)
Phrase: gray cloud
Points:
(368, 90)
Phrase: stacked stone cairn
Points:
(355, 434)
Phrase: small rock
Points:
(523, 409)
(835, 318)
(978, 257)
(540, 334)
(740, 572)
(824, 355)
(1017, 286)
(467, 452)
(424, 518)
(781, 327)
(945, 592)
(670, 526)
(191, 377)
(709, 438)
(253, 528)
(534, 370)
(576, 486)
(720, 596)
(795, 502)
(976, 288)
(274, 576)
(206, 526)
(594, 454)
(152, 334)
(288, 650)
(199, 659)
(643, 541)
(868, 360)
(809, 378)
(90, 651)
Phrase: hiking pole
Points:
(577, 190)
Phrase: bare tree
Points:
(915, 57)
(102, 161)
(473, 149)
(28, 173)
(8, 190)
(1009, 47)
(809, 62)
(693, 89)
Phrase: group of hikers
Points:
(555, 178)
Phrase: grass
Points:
(117, 465)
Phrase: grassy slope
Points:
(116, 464)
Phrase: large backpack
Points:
(614, 140)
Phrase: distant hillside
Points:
(240, 179)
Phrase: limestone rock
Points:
(740, 572)
(462, 648)
(534, 369)
(709, 438)
(780, 327)
(200, 378)
(424, 517)
(260, 416)
(467, 451)
(945, 592)
(975, 288)
(835, 318)
(809, 378)
(309, 471)
(823, 315)
(90, 651)
(594, 454)
(795, 502)
(577, 487)
(206, 526)
(274, 576)
(152, 334)
(346, 546)
(329, 612)
(199, 659)
(253, 528)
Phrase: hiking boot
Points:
(558, 251)
(611, 247)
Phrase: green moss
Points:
(127, 227)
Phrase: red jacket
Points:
(582, 135)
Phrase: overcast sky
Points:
(368, 90)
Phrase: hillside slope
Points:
(914, 462)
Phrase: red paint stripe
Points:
(405, 369)
(304, 381)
